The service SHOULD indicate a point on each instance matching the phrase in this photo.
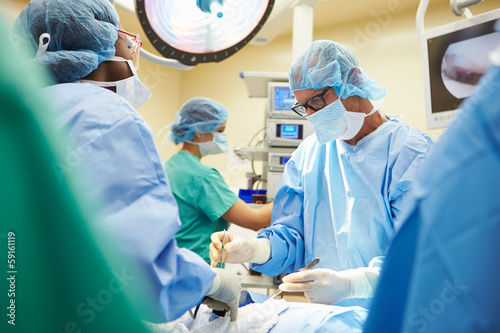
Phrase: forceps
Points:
(313, 263)
(222, 249)
(220, 313)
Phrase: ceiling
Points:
(328, 12)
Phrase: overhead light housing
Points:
(201, 31)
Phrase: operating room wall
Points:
(389, 52)
(387, 48)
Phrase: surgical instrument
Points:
(313, 263)
(222, 249)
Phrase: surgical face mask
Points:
(352, 122)
(131, 88)
(327, 122)
(216, 146)
(334, 122)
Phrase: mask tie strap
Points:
(42, 47)
(164, 141)
(116, 58)
(344, 84)
(376, 107)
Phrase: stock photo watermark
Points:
(364, 34)
(421, 318)
(153, 78)
(88, 309)
(11, 277)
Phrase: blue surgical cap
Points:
(198, 115)
(82, 35)
(326, 63)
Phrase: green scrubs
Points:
(203, 197)
(54, 277)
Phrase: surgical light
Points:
(201, 31)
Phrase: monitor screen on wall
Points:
(281, 100)
(455, 57)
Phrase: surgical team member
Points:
(441, 273)
(39, 209)
(97, 91)
(206, 204)
(344, 188)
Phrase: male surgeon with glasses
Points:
(343, 191)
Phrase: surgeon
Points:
(441, 273)
(96, 90)
(38, 210)
(206, 204)
(343, 190)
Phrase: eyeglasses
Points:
(134, 44)
(316, 103)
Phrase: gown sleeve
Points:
(139, 212)
(286, 232)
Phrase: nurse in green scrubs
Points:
(206, 204)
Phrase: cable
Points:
(256, 177)
(258, 132)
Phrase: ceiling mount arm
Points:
(459, 7)
(422, 8)
(163, 61)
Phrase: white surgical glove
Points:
(226, 288)
(327, 286)
(237, 250)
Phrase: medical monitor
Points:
(276, 161)
(283, 132)
(280, 101)
(455, 56)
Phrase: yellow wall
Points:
(390, 53)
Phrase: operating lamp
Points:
(201, 31)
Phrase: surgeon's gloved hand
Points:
(327, 286)
(237, 250)
(226, 289)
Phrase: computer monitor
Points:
(280, 101)
(455, 56)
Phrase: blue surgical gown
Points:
(441, 273)
(343, 203)
(114, 145)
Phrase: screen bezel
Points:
(277, 113)
(441, 119)
(279, 132)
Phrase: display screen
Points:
(457, 61)
(289, 131)
(284, 160)
(283, 98)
